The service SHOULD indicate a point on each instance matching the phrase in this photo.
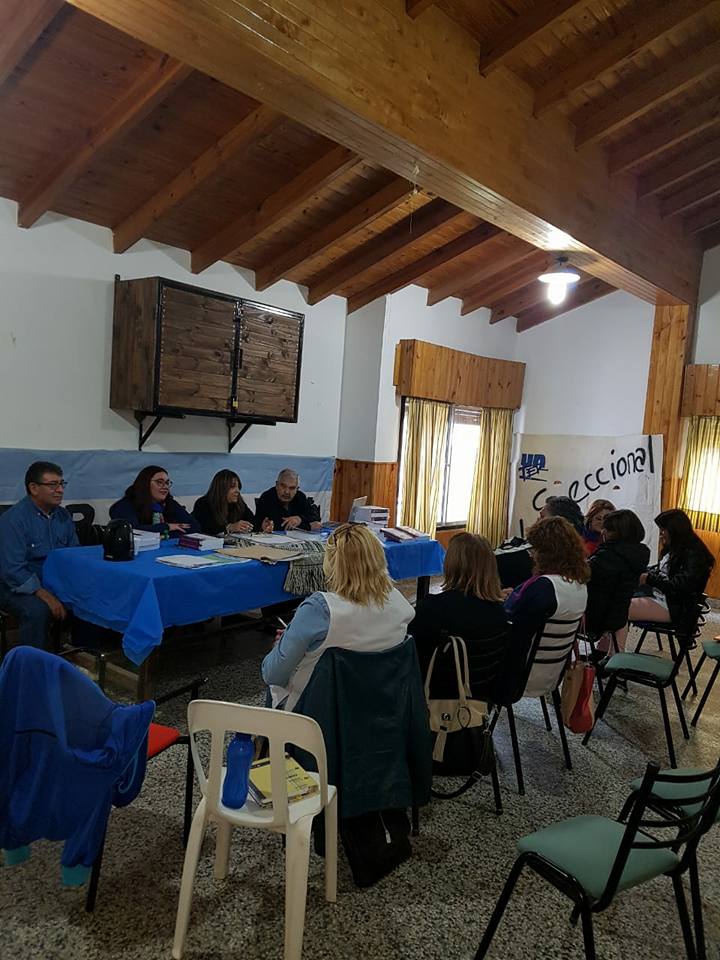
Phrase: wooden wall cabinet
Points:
(179, 349)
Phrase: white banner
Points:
(625, 470)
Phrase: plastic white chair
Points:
(294, 819)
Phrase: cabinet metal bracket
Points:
(144, 436)
(232, 440)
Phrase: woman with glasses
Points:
(361, 610)
(149, 505)
(223, 510)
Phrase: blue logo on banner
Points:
(531, 464)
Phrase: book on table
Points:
(300, 783)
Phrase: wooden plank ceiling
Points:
(639, 77)
(100, 127)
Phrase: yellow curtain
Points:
(700, 488)
(489, 498)
(424, 440)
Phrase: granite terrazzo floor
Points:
(434, 907)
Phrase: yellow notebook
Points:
(299, 783)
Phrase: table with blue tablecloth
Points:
(140, 598)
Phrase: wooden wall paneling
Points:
(21, 24)
(712, 542)
(250, 128)
(373, 56)
(672, 334)
(360, 478)
(163, 76)
(445, 536)
(701, 393)
(229, 241)
(438, 373)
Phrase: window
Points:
(700, 488)
(459, 468)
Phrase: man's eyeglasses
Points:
(162, 483)
(53, 484)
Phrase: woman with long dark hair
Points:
(222, 509)
(149, 505)
(679, 579)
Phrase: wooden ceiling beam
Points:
(399, 96)
(251, 128)
(704, 219)
(650, 146)
(150, 89)
(22, 22)
(710, 238)
(695, 194)
(344, 226)
(585, 292)
(690, 164)
(470, 277)
(514, 303)
(525, 27)
(623, 46)
(413, 8)
(507, 281)
(409, 230)
(413, 272)
(229, 241)
(650, 94)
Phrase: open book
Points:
(299, 783)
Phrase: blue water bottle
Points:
(240, 754)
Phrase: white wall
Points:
(359, 405)
(707, 343)
(408, 317)
(586, 371)
(56, 290)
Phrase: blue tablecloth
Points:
(140, 597)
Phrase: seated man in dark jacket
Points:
(286, 506)
(28, 532)
(615, 570)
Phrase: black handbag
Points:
(375, 843)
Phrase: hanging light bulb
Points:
(558, 281)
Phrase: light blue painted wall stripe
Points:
(104, 474)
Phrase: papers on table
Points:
(317, 535)
(186, 562)
(271, 539)
(258, 551)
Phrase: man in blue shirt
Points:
(28, 532)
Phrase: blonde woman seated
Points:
(361, 611)
(471, 603)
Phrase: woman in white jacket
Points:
(361, 610)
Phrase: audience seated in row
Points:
(29, 530)
(361, 610)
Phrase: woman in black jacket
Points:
(149, 505)
(222, 509)
(678, 581)
(615, 571)
(470, 606)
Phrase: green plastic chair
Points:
(711, 651)
(648, 671)
(678, 796)
(591, 859)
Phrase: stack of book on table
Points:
(201, 541)
(146, 540)
(299, 782)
